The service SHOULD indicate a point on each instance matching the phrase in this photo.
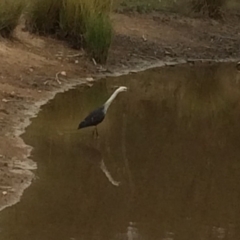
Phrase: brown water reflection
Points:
(166, 166)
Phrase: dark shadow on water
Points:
(166, 165)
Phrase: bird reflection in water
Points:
(108, 174)
(95, 156)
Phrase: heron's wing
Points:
(95, 117)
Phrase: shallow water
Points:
(166, 165)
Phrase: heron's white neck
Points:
(109, 101)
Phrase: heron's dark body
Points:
(93, 119)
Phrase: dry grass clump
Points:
(42, 16)
(10, 13)
(84, 23)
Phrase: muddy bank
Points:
(34, 69)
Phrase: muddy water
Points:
(166, 165)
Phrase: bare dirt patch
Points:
(163, 36)
(29, 65)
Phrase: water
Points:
(166, 165)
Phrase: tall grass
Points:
(98, 36)
(72, 22)
(42, 16)
(10, 13)
(98, 28)
(87, 24)
(82, 23)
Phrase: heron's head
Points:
(122, 89)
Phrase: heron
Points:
(98, 115)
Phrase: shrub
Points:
(71, 22)
(42, 16)
(82, 23)
(87, 24)
(98, 36)
(10, 13)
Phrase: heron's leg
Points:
(94, 132)
(97, 132)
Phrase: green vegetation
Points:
(83, 23)
(10, 13)
(98, 36)
(86, 23)
(42, 16)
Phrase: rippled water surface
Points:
(166, 165)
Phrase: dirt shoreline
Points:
(30, 65)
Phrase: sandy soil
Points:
(29, 65)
